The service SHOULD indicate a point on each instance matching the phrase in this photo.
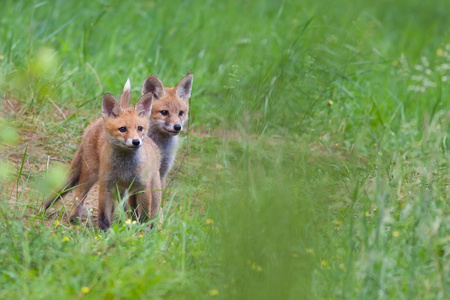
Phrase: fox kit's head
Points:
(126, 127)
(170, 105)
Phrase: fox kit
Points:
(115, 151)
(128, 160)
(169, 113)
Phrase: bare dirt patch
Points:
(63, 207)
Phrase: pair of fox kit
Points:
(129, 150)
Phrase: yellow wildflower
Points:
(330, 102)
(310, 251)
(128, 221)
(66, 239)
(336, 224)
(256, 267)
(395, 233)
(213, 292)
(324, 262)
(85, 290)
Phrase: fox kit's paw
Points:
(103, 222)
(76, 214)
(75, 220)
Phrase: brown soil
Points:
(65, 205)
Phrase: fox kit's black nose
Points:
(177, 127)
(136, 142)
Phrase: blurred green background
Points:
(315, 164)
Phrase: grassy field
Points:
(315, 164)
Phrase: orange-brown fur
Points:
(85, 165)
(111, 156)
(170, 111)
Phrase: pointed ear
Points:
(144, 105)
(153, 85)
(110, 106)
(184, 87)
(125, 98)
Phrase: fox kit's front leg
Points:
(144, 202)
(127, 158)
(105, 206)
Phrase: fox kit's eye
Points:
(181, 113)
(140, 128)
(122, 129)
(164, 112)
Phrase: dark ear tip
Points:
(152, 80)
(186, 80)
(151, 76)
(153, 84)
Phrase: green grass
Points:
(317, 157)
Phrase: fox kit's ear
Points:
(125, 98)
(153, 85)
(184, 87)
(144, 105)
(110, 106)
